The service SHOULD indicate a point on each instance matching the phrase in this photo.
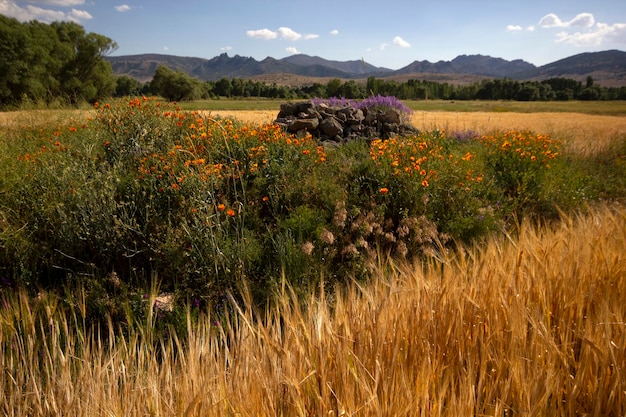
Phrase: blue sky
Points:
(391, 33)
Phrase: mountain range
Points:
(607, 68)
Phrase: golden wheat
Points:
(530, 324)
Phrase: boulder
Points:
(331, 127)
(340, 124)
(308, 125)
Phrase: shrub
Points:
(147, 192)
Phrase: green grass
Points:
(611, 108)
(233, 104)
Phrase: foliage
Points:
(517, 162)
(56, 62)
(147, 190)
(175, 85)
(550, 90)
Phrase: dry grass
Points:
(583, 134)
(528, 325)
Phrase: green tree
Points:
(14, 40)
(85, 75)
(333, 88)
(175, 85)
(127, 86)
(223, 87)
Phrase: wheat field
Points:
(581, 133)
(528, 324)
(531, 323)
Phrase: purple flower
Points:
(371, 103)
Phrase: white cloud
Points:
(383, 46)
(401, 42)
(122, 8)
(530, 28)
(292, 50)
(165, 48)
(30, 12)
(60, 3)
(615, 32)
(265, 34)
(513, 28)
(79, 15)
(334, 32)
(602, 32)
(289, 34)
(589, 32)
(226, 48)
(581, 20)
(284, 33)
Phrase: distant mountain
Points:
(470, 64)
(359, 67)
(143, 67)
(607, 68)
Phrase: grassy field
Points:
(525, 317)
(616, 108)
(531, 324)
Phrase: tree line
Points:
(177, 86)
(61, 63)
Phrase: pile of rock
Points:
(341, 124)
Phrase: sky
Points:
(388, 33)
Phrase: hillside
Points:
(608, 68)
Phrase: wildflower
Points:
(221, 207)
(341, 214)
(230, 212)
(384, 190)
(327, 236)
(425, 183)
(350, 250)
(307, 248)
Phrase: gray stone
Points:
(331, 127)
(342, 123)
(310, 125)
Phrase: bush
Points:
(146, 192)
